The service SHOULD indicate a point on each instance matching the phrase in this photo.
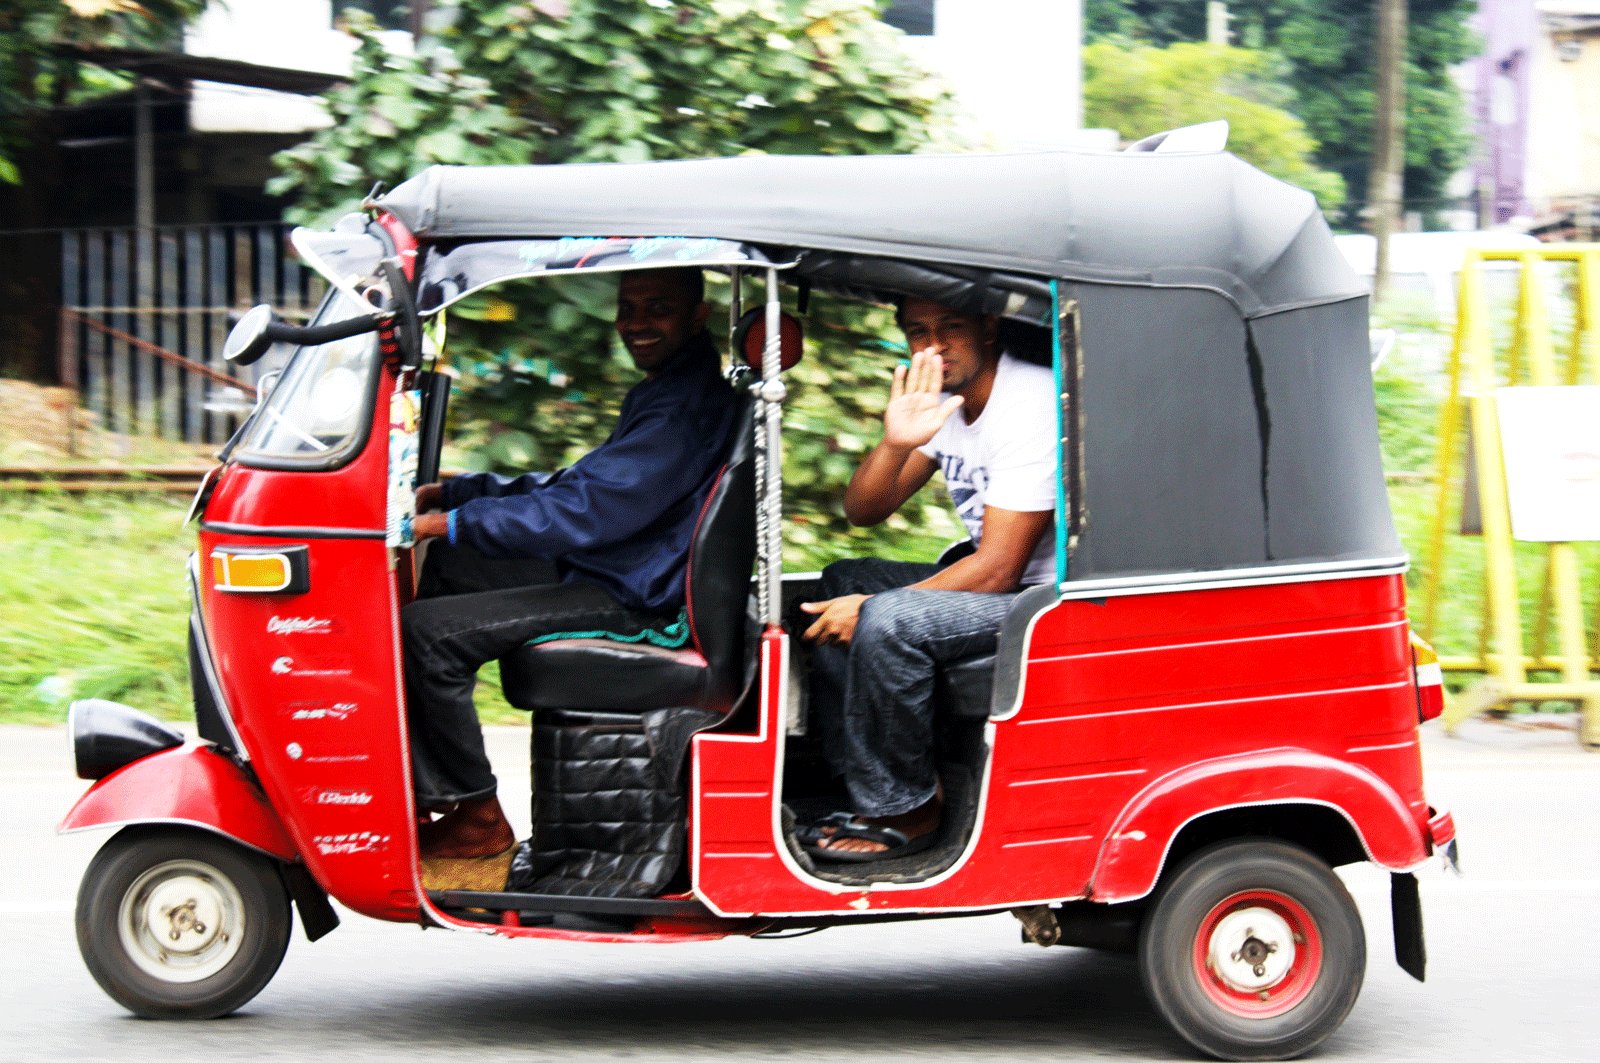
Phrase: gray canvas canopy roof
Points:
(1200, 221)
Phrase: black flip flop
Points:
(897, 843)
(808, 834)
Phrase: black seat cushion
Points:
(631, 677)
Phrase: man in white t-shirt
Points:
(987, 422)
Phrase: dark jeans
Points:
(471, 609)
(872, 701)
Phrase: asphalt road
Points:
(1514, 960)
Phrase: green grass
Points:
(93, 603)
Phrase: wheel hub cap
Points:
(1251, 950)
(181, 921)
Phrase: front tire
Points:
(1253, 949)
(180, 924)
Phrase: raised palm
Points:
(916, 410)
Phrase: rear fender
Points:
(191, 785)
(1132, 858)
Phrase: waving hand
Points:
(915, 412)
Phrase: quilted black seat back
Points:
(721, 557)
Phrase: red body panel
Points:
(187, 785)
(1135, 849)
(313, 680)
(1138, 712)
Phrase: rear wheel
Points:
(181, 924)
(1253, 949)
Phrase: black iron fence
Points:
(145, 312)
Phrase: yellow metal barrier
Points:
(1530, 359)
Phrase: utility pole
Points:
(1386, 180)
(1217, 19)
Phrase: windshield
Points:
(317, 413)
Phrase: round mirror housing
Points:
(249, 339)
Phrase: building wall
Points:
(297, 34)
(1016, 68)
(1564, 126)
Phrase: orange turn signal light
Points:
(256, 571)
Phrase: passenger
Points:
(988, 422)
(601, 545)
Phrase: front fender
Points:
(1139, 842)
(192, 785)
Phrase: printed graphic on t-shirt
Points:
(968, 483)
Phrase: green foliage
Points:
(1159, 22)
(35, 76)
(1143, 89)
(1328, 46)
(590, 81)
(398, 114)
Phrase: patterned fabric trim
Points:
(670, 637)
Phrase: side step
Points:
(529, 904)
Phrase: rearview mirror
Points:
(248, 340)
(258, 329)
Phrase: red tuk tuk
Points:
(1213, 706)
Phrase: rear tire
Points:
(1253, 949)
(177, 923)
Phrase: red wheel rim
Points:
(1257, 953)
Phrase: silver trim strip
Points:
(209, 828)
(1212, 704)
(1308, 633)
(287, 532)
(1167, 582)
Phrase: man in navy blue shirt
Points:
(602, 545)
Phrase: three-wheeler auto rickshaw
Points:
(1214, 705)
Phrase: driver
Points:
(987, 421)
(601, 545)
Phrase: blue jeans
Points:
(872, 701)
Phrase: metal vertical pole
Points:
(194, 339)
(144, 164)
(67, 334)
(168, 336)
(98, 353)
(144, 219)
(735, 311)
(122, 354)
(1500, 570)
(772, 396)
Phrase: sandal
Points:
(897, 843)
(809, 834)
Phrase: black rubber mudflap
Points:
(317, 917)
(1405, 903)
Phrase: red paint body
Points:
(190, 785)
(1138, 714)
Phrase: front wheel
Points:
(181, 924)
(1253, 950)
